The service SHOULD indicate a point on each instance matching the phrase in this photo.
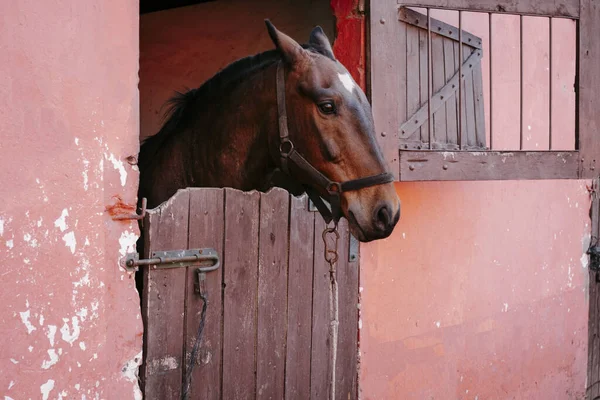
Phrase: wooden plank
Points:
(320, 375)
(240, 271)
(412, 76)
(439, 81)
(558, 8)
(388, 77)
(589, 82)
(438, 27)
(480, 134)
(150, 229)
(272, 294)
(451, 111)
(347, 277)
(165, 299)
(205, 230)
(488, 165)
(469, 101)
(594, 312)
(423, 86)
(299, 314)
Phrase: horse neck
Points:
(241, 126)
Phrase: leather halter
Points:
(289, 154)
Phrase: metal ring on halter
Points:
(334, 188)
(282, 147)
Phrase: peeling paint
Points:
(10, 244)
(25, 319)
(61, 222)
(127, 242)
(50, 333)
(70, 241)
(46, 388)
(69, 335)
(118, 165)
(130, 372)
(1, 227)
(53, 359)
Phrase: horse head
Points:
(330, 126)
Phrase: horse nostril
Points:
(383, 217)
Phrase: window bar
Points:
(521, 82)
(491, 80)
(460, 82)
(550, 89)
(429, 79)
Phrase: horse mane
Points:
(179, 106)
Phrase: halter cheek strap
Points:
(288, 154)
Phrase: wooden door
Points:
(266, 332)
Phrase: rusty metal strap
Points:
(438, 99)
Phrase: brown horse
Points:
(229, 132)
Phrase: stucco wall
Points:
(69, 321)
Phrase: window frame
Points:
(438, 165)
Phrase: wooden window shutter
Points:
(445, 138)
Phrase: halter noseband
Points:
(289, 154)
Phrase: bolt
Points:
(411, 167)
(382, 21)
(383, 134)
(445, 167)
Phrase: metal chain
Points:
(331, 256)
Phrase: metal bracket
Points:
(353, 249)
(134, 216)
(206, 259)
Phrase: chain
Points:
(331, 256)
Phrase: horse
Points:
(291, 117)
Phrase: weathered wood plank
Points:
(468, 99)
(205, 230)
(558, 8)
(272, 294)
(439, 81)
(299, 314)
(412, 77)
(489, 165)
(240, 271)
(589, 82)
(320, 375)
(593, 370)
(423, 76)
(150, 229)
(450, 69)
(388, 77)
(347, 277)
(438, 27)
(165, 297)
(480, 134)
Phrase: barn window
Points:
(481, 90)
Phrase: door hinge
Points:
(206, 259)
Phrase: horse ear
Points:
(289, 48)
(319, 40)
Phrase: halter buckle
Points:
(286, 147)
(334, 188)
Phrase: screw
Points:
(445, 166)
(383, 134)
(411, 167)
(382, 21)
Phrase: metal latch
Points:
(206, 259)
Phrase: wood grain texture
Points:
(272, 294)
(299, 314)
(205, 231)
(560, 8)
(589, 82)
(240, 270)
(388, 77)
(165, 299)
(450, 69)
(320, 375)
(490, 165)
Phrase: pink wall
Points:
(69, 116)
(481, 291)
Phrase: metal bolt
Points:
(445, 166)
(382, 21)
(411, 167)
(383, 134)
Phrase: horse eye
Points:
(327, 107)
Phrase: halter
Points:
(289, 154)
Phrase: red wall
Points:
(70, 320)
